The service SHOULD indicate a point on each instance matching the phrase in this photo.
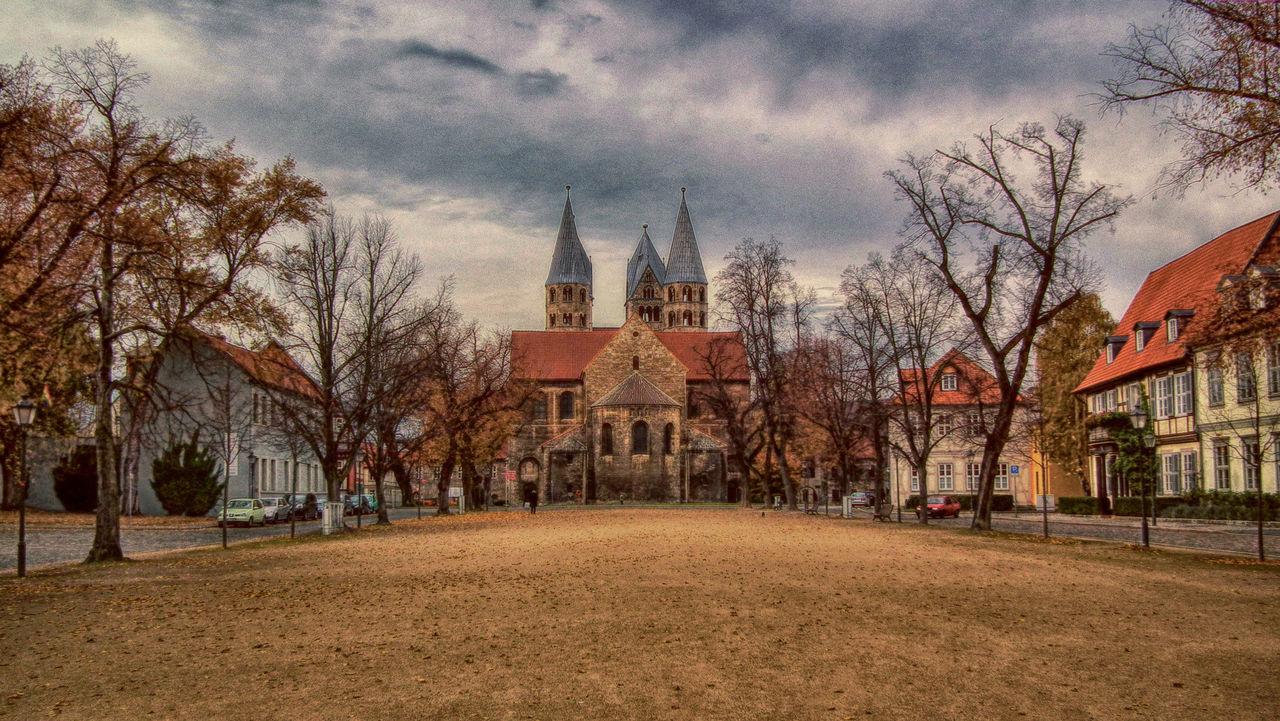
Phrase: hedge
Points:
(1078, 505)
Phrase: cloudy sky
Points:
(463, 121)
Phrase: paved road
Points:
(1173, 534)
(46, 545)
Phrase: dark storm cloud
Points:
(542, 82)
(235, 17)
(455, 58)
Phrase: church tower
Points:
(684, 288)
(568, 284)
(645, 273)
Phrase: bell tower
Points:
(568, 285)
(684, 289)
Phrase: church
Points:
(617, 414)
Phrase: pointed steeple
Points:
(684, 261)
(646, 256)
(569, 262)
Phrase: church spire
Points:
(684, 261)
(569, 261)
(645, 256)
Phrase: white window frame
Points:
(1133, 396)
(943, 425)
(1002, 477)
(1183, 402)
(1171, 330)
(1246, 383)
(945, 478)
(1250, 447)
(1216, 383)
(973, 473)
(949, 381)
(1221, 464)
(1172, 465)
(1273, 369)
(1164, 396)
(1139, 340)
(1190, 470)
(915, 480)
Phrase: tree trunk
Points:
(784, 469)
(106, 535)
(383, 518)
(404, 481)
(442, 485)
(991, 451)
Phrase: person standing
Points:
(533, 501)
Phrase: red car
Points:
(942, 506)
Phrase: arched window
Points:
(639, 438)
(693, 409)
(553, 294)
(568, 319)
(702, 319)
(702, 295)
(540, 409)
(668, 438)
(671, 293)
(582, 320)
(566, 406)
(582, 296)
(648, 292)
(687, 319)
(553, 320)
(635, 362)
(671, 318)
(686, 294)
(606, 440)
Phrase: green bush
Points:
(75, 480)
(1218, 512)
(1078, 505)
(185, 478)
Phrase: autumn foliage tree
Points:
(1211, 71)
(1065, 353)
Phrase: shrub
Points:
(1078, 505)
(75, 480)
(1002, 502)
(185, 478)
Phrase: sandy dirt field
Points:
(646, 614)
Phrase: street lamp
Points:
(1139, 418)
(24, 413)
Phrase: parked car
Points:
(942, 506)
(244, 510)
(320, 501)
(307, 509)
(276, 509)
(863, 499)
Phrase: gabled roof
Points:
(684, 261)
(1187, 283)
(635, 390)
(569, 261)
(699, 441)
(646, 256)
(570, 440)
(272, 366)
(548, 355)
(974, 385)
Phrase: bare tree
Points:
(1010, 251)
(725, 396)
(760, 299)
(472, 401)
(829, 396)
(1211, 72)
(915, 312)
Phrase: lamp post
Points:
(24, 414)
(1139, 418)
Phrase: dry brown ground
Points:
(646, 614)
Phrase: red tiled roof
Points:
(1188, 283)
(557, 355)
(974, 384)
(272, 366)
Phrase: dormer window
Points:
(1142, 333)
(1174, 323)
(1114, 344)
(1139, 341)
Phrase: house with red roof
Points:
(231, 396)
(1152, 353)
(964, 396)
(615, 414)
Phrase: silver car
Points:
(276, 509)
